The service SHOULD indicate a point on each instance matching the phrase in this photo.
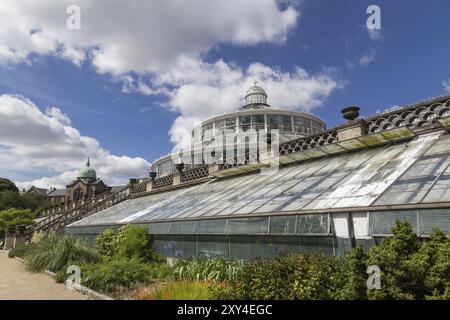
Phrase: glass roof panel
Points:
(399, 173)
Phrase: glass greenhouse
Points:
(327, 204)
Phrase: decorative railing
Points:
(309, 142)
(413, 116)
(57, 221)
(139, 187)
(70, 206)
(195, 174)
(162, 182)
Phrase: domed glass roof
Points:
(87, 172)
(256, 97)
(256, 89)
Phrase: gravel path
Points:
(19, 284)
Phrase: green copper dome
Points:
(87, 172)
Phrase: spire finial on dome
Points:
(87, 172)
(256, 97)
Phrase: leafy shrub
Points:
(11, 199)
(107, 243)
(57, 251)
(121, 273)
(15, 217)
(410, 268)
(130, 241)
(307, 276)
(20, 251)
(178, 290)
(436, 254)
(217, 269)
(349, 278)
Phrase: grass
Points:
(175, 290)
(57, 251)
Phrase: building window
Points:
(316, 127)
(273, 122)
(207, 131)
(286, 123)
(230, 124)
(258, 122)
(220, 126)
(302, 125)
(245, 123)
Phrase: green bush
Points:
(436, 254)
(54, 252)
(308, 276)
(32, 201)
(20, 251)
(410, 268)
(349, 278)
(15, 217)
(121, 273)
(107, 243)
(130, 242)
(217, 269)
(8, 185)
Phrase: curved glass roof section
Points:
(414, 172)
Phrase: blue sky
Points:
(408, 62)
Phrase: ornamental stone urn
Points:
(350, 113)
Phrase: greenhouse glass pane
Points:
(434, 218)
(261, 247)
(282, 224)
(163, 245)
(381, 222)
(159, 228)
(189, 248)
(213, 246)
(257, 225)
(287, 244)
(317, 244)
(182, 227)
(342, 245)
(210, 226)
(236, 226)
(240, 248)
(440, 191)
(312, 224)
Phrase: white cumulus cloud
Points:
(207, 89)
(139, 36)
(152, 47)
(33, 141)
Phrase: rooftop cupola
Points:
(87, 173)
(255, 98)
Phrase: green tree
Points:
(32, 201)
(15, 217)
(11, 199)
(402, 275)
(8, 185)
(35, 202)
(350, 276)
(434, 258)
